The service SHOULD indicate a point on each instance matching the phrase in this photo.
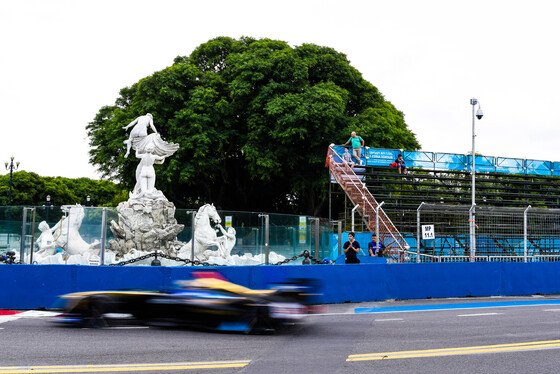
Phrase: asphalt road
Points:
(474, 335)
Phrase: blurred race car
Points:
(208, 301)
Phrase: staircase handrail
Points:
(367, 197)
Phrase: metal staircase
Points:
(371, 212)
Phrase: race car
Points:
(208, 301)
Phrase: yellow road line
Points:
(125, 367)
(456, 351)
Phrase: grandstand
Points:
(517, 201)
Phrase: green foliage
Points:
(253, 119)
(30, 189)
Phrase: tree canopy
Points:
(253, 118)
(30, 189)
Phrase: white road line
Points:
(551, 310)
(478, 314)
(389, 319)
(331, 314)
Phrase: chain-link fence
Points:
(500, 234)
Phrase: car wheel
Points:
(259, 321)
(94, 315)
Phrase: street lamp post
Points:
(472, 213)
(11, 167)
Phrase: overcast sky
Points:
(61, 61)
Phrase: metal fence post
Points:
(192, 237)
(339, 238)
(418, 232)
(317, 237)
(525, 233)
(32, 237)
(377, 221)
(353, 211)
(472, 232)
(67, 235)
(103, 235)
(266, 238)
(22, 242)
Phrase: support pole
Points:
(418, 232)
(23, 233)
(317, 237)
(266, 238)
(473, 233)
(192, 237)
(377, 221)
(103, 235)
(353, 210)
(339, 238)
(525, 233)
(32, 236)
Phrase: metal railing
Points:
(368, 206)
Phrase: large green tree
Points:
(253, 119)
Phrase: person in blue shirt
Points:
(399, 162)
(348, 158)
(375, 247)
(357, 144)
(351, 250)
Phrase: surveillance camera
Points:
(479, 113)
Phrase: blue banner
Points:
(459, 162)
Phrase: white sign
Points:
(94, 260)
(428, 232)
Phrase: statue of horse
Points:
(204, 234)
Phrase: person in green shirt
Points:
(357, 144)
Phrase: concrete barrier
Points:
(38, 286)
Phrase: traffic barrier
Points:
(32, 286)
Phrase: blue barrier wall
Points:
(32, 286)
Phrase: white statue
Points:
(66, 234)
(205, 236)
(146, 175)
(228, 240)
(46, 243)
(140, 130)
(150, 149)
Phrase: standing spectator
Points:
(375, 247)
(357, 144)
(347, 157)
(400, 164)
(351, 249)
